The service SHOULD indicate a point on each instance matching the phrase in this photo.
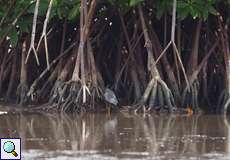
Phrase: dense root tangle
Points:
(190, 96)
(21, 94)
(56, 92)
(157, 96)
(157, 91)
(77, 92)
(69, 96)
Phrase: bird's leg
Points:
(109, 110)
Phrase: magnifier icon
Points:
(9, 147)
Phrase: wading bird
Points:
(110, 98)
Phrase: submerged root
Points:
(224, 102)
(190, 96)
(157, 96)
(21, 94)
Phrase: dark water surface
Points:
(118, 136)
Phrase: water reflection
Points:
(126, 136)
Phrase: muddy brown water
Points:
(118, 136)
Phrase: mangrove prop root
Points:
(223, 102)
(156, 81)
(73, 100)
(22, 89)
(22, 98)
(32, 48)
(157, 95)
(153, 96)
(57, 92)
(74, 92)
(68, 95)
(190, 96)
(44, 34)
(36, 81)
(44, 92)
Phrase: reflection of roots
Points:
(190, 97)
(224, 101)
(73, 96)
(157, 95)
(22, 94)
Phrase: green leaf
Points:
(193, 12)
(56, 3)
(24, 24)
(205, 15)
(59, 13)
(212, 10)
(111, 2)
(134, 2)
(181, 4)
(3, 30)
(159, 14)
(183, 13)
(1, 13)
(162, 7)
(74, 12)
(13, 38)
(42, 8)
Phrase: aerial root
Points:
(74, 96)
(224, 102)
(190, 96)
(153, 96)
(70, 96)
(32, 48)
(96, 93)
(56, 92)
(157, 96)
(44, 34)
(44, 92)
(85, 90)
(21, 94)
